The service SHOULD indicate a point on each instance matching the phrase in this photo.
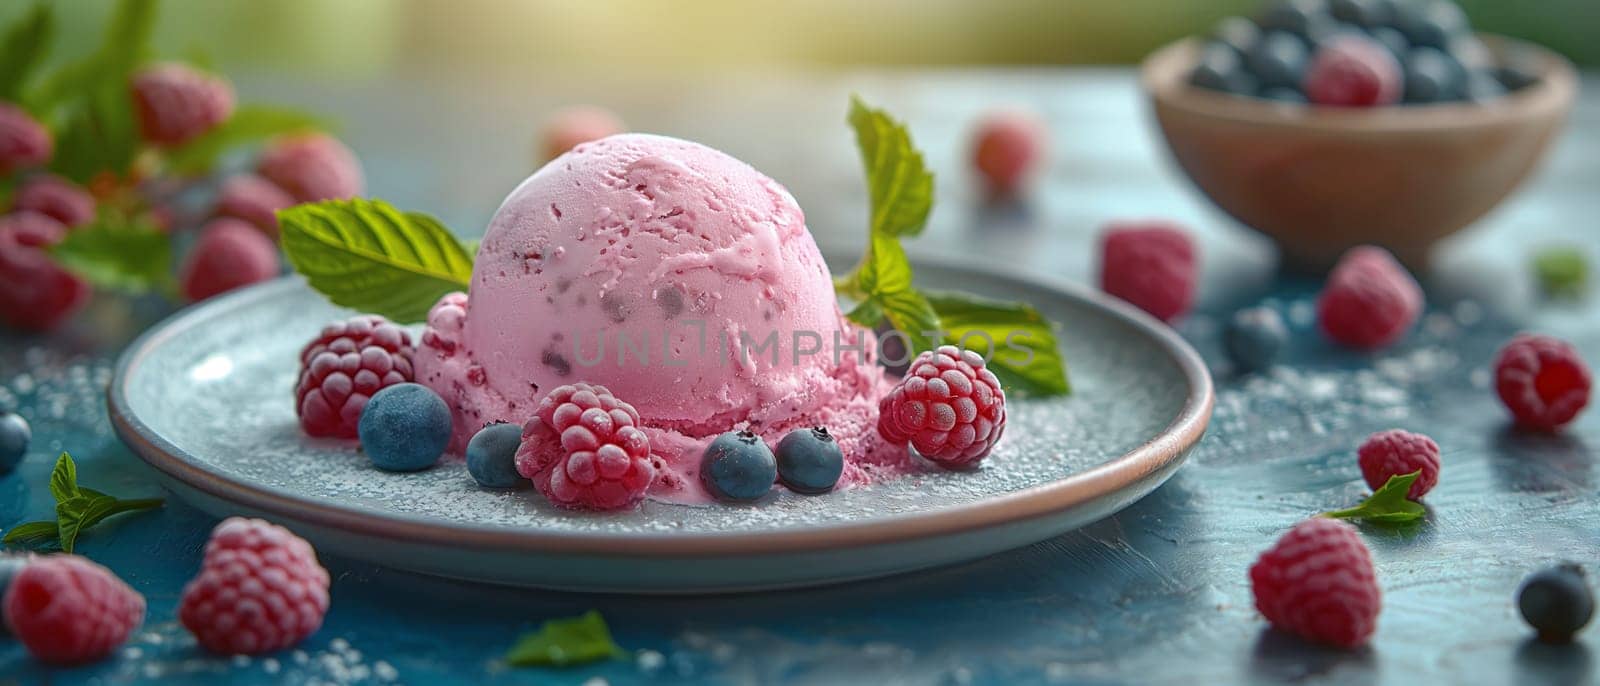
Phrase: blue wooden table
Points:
(1157, 594)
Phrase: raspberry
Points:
(1542, 380)
(312, 167)
(260, 589)
(33, 229)
(446, 320)
(575, 125)
(1353, 71)
(57, 198)
(175, 103)
(230, 254)
(1369, 301)
(68, 610)
(584, 449)
(38, 295)
(1396, 453)
(1008, 149)
(1150, 264)
(1317, 582)
(949, 407)
(255, 200)
(340, 370)
(24, 142)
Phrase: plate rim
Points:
(1124, 471)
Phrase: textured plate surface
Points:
(206, 399)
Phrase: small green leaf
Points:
(24, 47)
(249, 124)
(1388, 505)
(131, 258)
(566, 642)
(1025, 354)
(64, 479)
(886, 269)
(32, 535)
(899, 185)
(1562, 271)
(867, 313)
(369, 256)
(909, 313)
(75, 515)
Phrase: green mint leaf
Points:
(75, 515)
(899, 185)
(867, 313)
(131, 258)
(32, 535)
(24, 47)
(1025, 354)
(64, 479)
(885, 268)
(1387, 505)
(96, 129)
(250, 124)
(565, 642)
(909, 313)
(1562, 271)
(369, 256)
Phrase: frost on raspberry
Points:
(1369, 301)
(1150, 264)
(584, 449)
(176, 103)
(343, 367)
(949, 406)
(69, 610)
(260, 589)
(1318, 582)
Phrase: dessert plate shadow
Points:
(205, 398)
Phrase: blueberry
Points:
(404, 428)
(1364, 13)
(738, 466)
(1432, 76)
(1278, 60)
(492, 456)
(1254, 338)
(1298, 17)
(1326, 33)
(1471, 53)
(1515, 78)
(1219, 70)
(1482, 86)
(1238, 33)
(14, 437)
(1556, 602)
(1392, 39)
(1282, 94)
(809, 461)
(1432, 23)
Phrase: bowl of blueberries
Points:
(1326, 124)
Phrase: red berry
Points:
(1353, 71)
(584, 449)
(260, 589)
(38, 294)
(1396, 453)
(343, 367)
(1009, 146)
(1542, 380)
(58, 198)
(949, 406)
(24, 142)
(1317, 582)
(69, 610)
(312, 167)
(33, 229)
(1369, 300)
(1150, 264)
(176, 103)
(230, 254)
(255, 200)
(576, 125)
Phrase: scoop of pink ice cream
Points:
(680, 278)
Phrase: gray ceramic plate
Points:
(205, 398)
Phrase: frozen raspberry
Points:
(1317, 582)
(1150, 264)
(38, 294)
(33, 229)
(584, 449)
(24, 142)
(312, 167)
(175, 103)
(230, 254)
(949, 407)
(1542, 380)
(575, 125)
(1008, 148)
(1396, 453)
(1353, 71)
(69, 610)
(57, 198)
(340, 370)
(260, 589)
(255, 200)
(1369, 301)
(446, 320)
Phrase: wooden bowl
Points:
(1320, 180)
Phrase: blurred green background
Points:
(337, 39)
